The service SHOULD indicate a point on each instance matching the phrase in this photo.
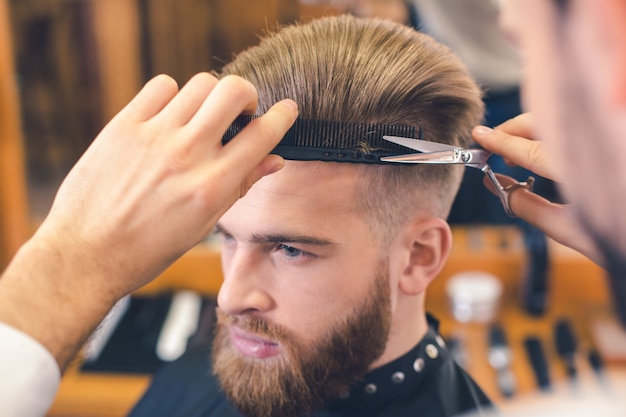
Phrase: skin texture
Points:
(160, 158)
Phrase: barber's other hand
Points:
(157, 178)
(514, 141)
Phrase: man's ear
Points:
(426, 245)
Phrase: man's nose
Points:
(244, 289)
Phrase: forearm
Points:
(40, 295)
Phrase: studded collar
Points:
(401, 376)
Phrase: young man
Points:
(326, 264)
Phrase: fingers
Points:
(521, 125)
(530, 206)
(269, 165)
(556, 220)
(152, 98)
(244, 160)
(519, 150)
(254, 142)
(230, 97)
(190, 98)
(189, 128)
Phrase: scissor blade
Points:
(418, 144)
(441, 157)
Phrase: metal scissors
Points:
(441, 153)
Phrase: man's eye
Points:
(226, 239)
(290, 251)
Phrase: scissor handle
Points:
(504, 193)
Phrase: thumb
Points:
(269, 165)
(252, 145)
(261, 135)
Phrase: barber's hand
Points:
(157, 178)
(514, 141)
(150, 187)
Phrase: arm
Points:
(513, 140)
(150, 187)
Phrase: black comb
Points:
(327, 140)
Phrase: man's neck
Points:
(408, 327)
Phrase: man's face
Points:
(305, 305)
(567, 84)
(531, 24)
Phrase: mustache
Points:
(255, 325)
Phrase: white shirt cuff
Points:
(29, 375)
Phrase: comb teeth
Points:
(327, 140)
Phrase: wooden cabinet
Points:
(14, 224)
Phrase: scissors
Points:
(441, 153)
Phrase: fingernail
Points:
(483, 130)
(291, 104)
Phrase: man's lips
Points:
(251, 345)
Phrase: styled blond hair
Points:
(373, 71)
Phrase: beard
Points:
(592, 164)
(302, 378)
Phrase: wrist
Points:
(49, 295)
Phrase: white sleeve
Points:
(29, 375)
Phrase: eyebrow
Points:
(280, 238)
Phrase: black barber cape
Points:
(426, 382)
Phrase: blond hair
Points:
(371, 70)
